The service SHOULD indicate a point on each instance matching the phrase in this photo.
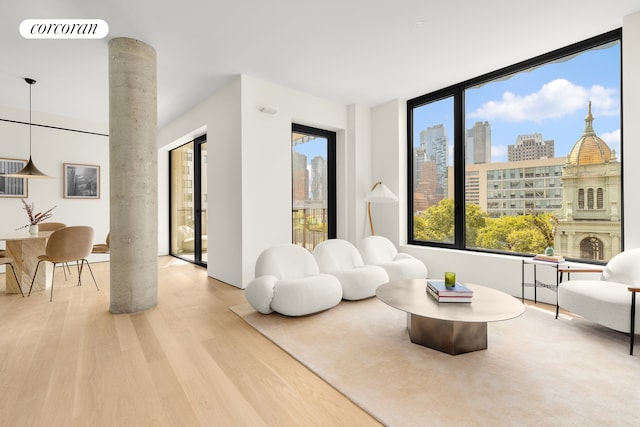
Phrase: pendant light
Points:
(30, 170)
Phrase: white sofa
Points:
(288, 281)
(342, 259)
(380, 251)
(606, 301)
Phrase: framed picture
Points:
(81, 181)
(10, 186)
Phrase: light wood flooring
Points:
(189, 361)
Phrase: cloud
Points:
(499, 152)
(612, 139)
(554, 100)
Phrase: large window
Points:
(313, 214)
(524, 158)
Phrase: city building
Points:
(434, 148)
(478, 144)
(528, 147)
(589, 221)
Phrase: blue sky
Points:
(552, 100)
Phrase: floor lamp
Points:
(380, 193)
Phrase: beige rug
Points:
(537, 371)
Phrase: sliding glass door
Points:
(188, 229)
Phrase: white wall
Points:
(631, 131)
(51, 148)
(249, 154)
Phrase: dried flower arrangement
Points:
(35, 218)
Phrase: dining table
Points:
(25, 248)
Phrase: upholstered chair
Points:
(607, 301)
(8, 261)
(50, 226)
(64, 245)
(287, 281)
(102, 248)
(342, 259)
(380, 251)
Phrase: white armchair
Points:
(341, 259)
(186, 239)
(288, 282)
(607, 301)
(378, 250)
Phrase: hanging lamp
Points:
(30, 170)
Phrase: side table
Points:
(537, 283)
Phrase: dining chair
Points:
(102, 248)
(68, 244)
(5, 260)
(53, 226)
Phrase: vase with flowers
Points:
(34, 218)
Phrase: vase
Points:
(33, 229)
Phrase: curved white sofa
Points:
(380, 251)
(289, 282)
(606, 301)
(342, 259)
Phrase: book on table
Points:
(457, 293)
(549, 258)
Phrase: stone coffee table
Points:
(453, 327)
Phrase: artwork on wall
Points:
(10, 186)
(81, 181)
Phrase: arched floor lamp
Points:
(380, 193)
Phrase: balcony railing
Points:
(309, 226)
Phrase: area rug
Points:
(537, 371)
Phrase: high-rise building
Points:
(318, 180)
(300, 178)
(478, 144)
(529, 147)
(434, 146)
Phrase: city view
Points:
(541, 164)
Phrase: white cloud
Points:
(612, 139)
(555, 99)
(499, 152)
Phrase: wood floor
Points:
(187, 362)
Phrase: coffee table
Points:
(453, 328)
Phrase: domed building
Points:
(589, 222)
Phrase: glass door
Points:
(313, 190)
(188, 229)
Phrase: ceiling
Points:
(350, 51)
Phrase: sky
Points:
(552, 100)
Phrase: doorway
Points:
(188, 207)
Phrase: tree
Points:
(530, 233)
(437, 223)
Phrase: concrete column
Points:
(133, 163)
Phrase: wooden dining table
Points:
(25, 248)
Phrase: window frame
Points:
(457, 92)
(331, 138)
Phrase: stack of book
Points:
(457, 293)
(549, 258)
